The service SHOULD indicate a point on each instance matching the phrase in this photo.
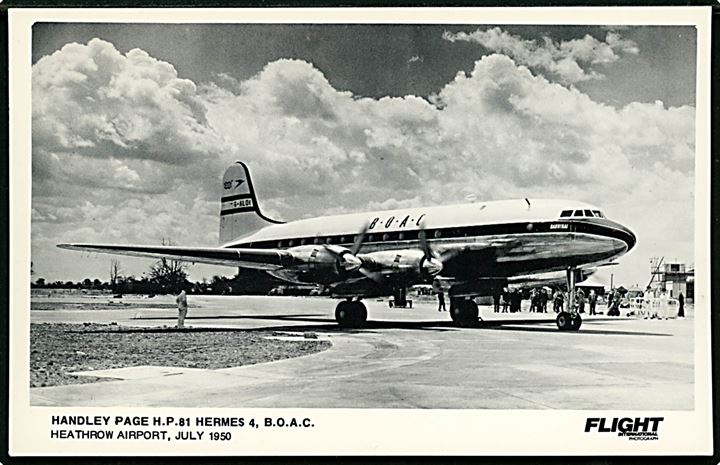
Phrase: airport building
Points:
(672, 277)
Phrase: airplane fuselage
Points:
(496, 239)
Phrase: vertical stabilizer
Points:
(240, 213)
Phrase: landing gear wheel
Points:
(351, 314)
(563, 321)
(575, 322)
(464, 313)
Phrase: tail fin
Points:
(240, 213)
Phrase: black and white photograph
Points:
(398, 219)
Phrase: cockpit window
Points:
(582, 213)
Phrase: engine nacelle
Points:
(402, 262)
(313, 257)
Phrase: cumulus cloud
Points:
(498, 131)
(569, 60)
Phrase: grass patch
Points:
(59, 348)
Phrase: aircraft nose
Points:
(628, 236)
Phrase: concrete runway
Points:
(405, 358)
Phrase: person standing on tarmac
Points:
(543, 300)
(681, 305)
(515, 301)
(592, 300)
(441, 301)
(496, 301)
(558, 301)
(580, 297)
(182, 306)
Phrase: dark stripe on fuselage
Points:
(599, 227)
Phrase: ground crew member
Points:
(558, 300)
(182, 305)
(543, 300)
(496, 302)
(441, 302)
(592, 299)
(580, 297)
(681, 305)
(515, 301)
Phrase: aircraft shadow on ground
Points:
(543, 329)
(306, 317)
(328, 325)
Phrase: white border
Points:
(376, 431)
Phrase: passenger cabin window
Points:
(566, 213)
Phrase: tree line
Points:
(167, 276)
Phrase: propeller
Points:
(346, 259)
(431, 263)
(349, 260)
(359, 239)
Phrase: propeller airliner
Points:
(469, 250)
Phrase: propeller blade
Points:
(424, 246)
(345, 258)
(359, 239)
(432, 266)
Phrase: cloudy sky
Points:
(133, 126)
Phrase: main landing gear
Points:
(569, 319)
(464, 312)
(351, 313)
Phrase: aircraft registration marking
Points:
(240, 203)
(559, 226)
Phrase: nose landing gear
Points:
(569, 320)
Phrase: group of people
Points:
(510, 300)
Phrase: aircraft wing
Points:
(261, 259)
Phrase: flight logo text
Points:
(634, 429)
